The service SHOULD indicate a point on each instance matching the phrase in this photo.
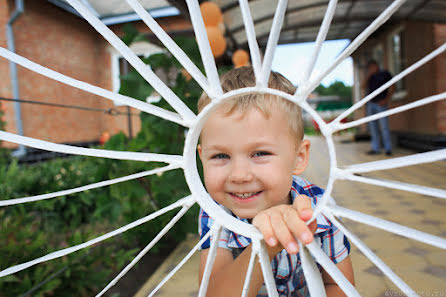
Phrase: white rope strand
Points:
(145, 71)
(381, 19)
(421, 102)
(260, 248)
(248, 275)
(422, 190)
(272, 40)
(252, 42)
(68, 149)
(176, 51)
(148, 108)
(326, 198)
(322, 34)
(66, 251)
(312, 274)
(374, 258)
(205, 49)
(415, 159)
(388, 226)
(179, 265)
(141, 254)
(210, 260)
(87, 187)
(332, 270)
(396, 78)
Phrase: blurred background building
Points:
(395, 47)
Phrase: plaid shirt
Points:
(287, 269)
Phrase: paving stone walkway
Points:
(421, 266)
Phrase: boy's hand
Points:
(281, 224)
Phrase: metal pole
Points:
(13, 74)
(129, 117)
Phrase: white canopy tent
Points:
(303, 18)
(301, 22)
(117, 11)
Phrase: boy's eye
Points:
(260, 154)
(220, 156)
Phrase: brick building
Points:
(395, 47)
(58, 39)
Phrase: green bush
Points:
(81, 274)
(29, 231)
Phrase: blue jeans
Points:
(377, 126)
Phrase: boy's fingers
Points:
(298, 226)
(303, 205)
(283, 233)
(312, 226)
(263, 223)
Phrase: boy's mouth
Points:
(245, 195)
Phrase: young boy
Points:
(252, 151)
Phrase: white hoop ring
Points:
(193, 178)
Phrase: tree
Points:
(337, 88)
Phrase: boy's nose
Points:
(240, 172)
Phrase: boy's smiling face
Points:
(249, 159)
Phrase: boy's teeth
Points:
(244, 195)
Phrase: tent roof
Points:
(118, 11)
(304, 17)
(301, 23)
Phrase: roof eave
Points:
(124, 18)
(132, 17)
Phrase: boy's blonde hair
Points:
(243, 77)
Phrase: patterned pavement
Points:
(421, 266)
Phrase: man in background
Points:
(374, 79)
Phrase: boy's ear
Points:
(199, 151)
(303, 155)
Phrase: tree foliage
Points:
(337, 88)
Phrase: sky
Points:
(291, 59)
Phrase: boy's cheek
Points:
(211, 182)
(207, 174)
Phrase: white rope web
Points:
(185, 117)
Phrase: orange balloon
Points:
(240, 58)
(216, 40)
(104, 137)
(186, 74)
(211, 13)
